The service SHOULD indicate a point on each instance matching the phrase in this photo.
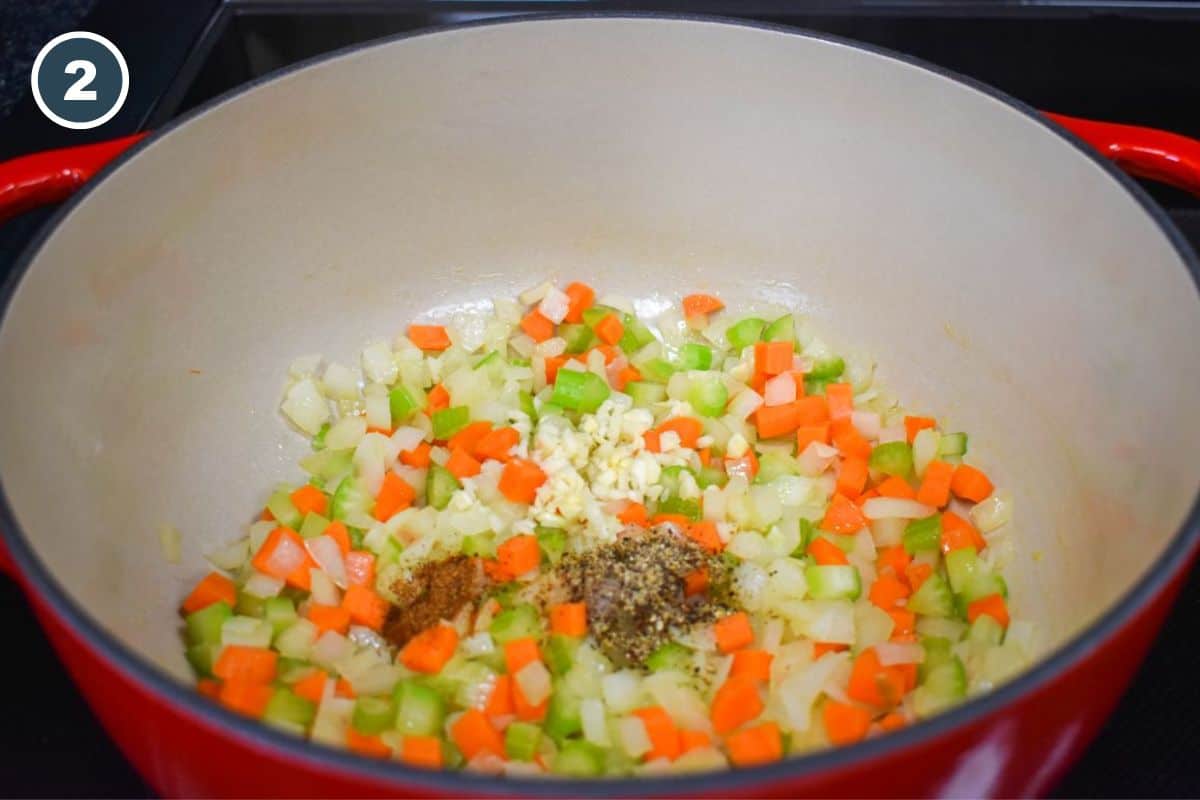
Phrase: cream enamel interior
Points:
(999, 277)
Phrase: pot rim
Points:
(151, 678)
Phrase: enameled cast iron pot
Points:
(1001, 273)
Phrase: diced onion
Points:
(378, 408)
(816, 458)
(781, 390)
(324, 592)
(346, 433)
(296, 640)
(328, 555)
(340, 382)
(595, 726)
(622, 690)
(171, 542)
(745, 403)
(554, 305)
(246, 631)
(885, 507)
(379, 363)
(232, 555)
(331, 647)
(406, 438)
(799, 690)
(892, 433)
(924, 449)
(899, 653)
(305, 406)
(634, 739)
(554, 346)
(683, 703)
(260, 585)
(287, 556)
(888, 531)
(867, 423)
(993, 512)
(534, 295)
(480, 644)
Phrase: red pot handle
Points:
(52, 176)
(1145, 152)
(7, 565)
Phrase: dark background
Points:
(1126, 61)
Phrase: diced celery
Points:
(807, 532)
(657, 370)
(816, 386)
(280, 612)
(318, 441)
(204, 626)
(479, 544)
(923, 535)
(695, 357)
(314, 525)
(560, 653)
(645, 394)
(933, 599)
(938, 650)
(552, 541)
(983, 584)
(248, 605)
(291, 670)
(773, 465)
(506, 595)
(952, 444)
(449, 421)
(521, 740)
(328, 464)
(419, 709)
(579, 391)
(669, 477)
(579, 759)
(593, 315)
(516, 623)
(489, 361)
(525, 401)
(745, 332)
(349, 498)
(288, 707)
(711, 476)
(781, 330)
(635, 336)
(943, 686)
(280, 505)
(373, 714)
(833, 582)
(708, 396)
(403, 402)
(562, 715)
(985, 631)
(673, 504)
(826, 369)
(440, 486)
(961, 567)
(670, 656)
(202, 657)
(892, 458)
(578, 337)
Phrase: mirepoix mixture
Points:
(563, 538)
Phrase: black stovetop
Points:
(1127, 61)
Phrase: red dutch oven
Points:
(1001, 271)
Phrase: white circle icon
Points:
(80, 80)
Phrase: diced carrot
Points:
(914, 425)
(760, 744)
(993, 605)
(519, 652)
(360, 568)
(344, 689)
(852, 476)
(569, 619)
(634, 514)
(418, 457)
(212, 588)
(384, 431)
(843, 516)
(812, 411)
(687, 429)
(608, 351)
(462, 465)
(365, 606)
(847, 439)
(469, 437)
(246, 697)
(935, 485)
(892, 722)
(653, 441)
(537, 327)
(970, 483)
(311, 687)
(429, 337)
(625, 377)
(678, 520)
(520, 480)
(394, 496)
(437, 399)
(733, 632)
(500, 702)
(807, 434)
(662, 731)
(695, 582)
(421, 751)
(308, 499)
(821, 648)
(904, 622)
(754, 664)
(430, 649)
(705, 456)
(299, 577)
(887, 591)
(582, 297)
(519, 554)
(266, 515)
(239, 662)
(209, 688)
(958, 533)
(896, 558)
(841, 400)
(704, 533)
(553, 365)
(497, 444)
(917, 573)
(692, 740)
(772, 421)
(758, 382)
(366, 745)
(773, 358)
(896, 486)
(695, 305)
(329, 618)
(826, 553)
(844, 723)
(495, 572)
(735, 703)
(609, 330)
(473, 734)
(862, 499)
